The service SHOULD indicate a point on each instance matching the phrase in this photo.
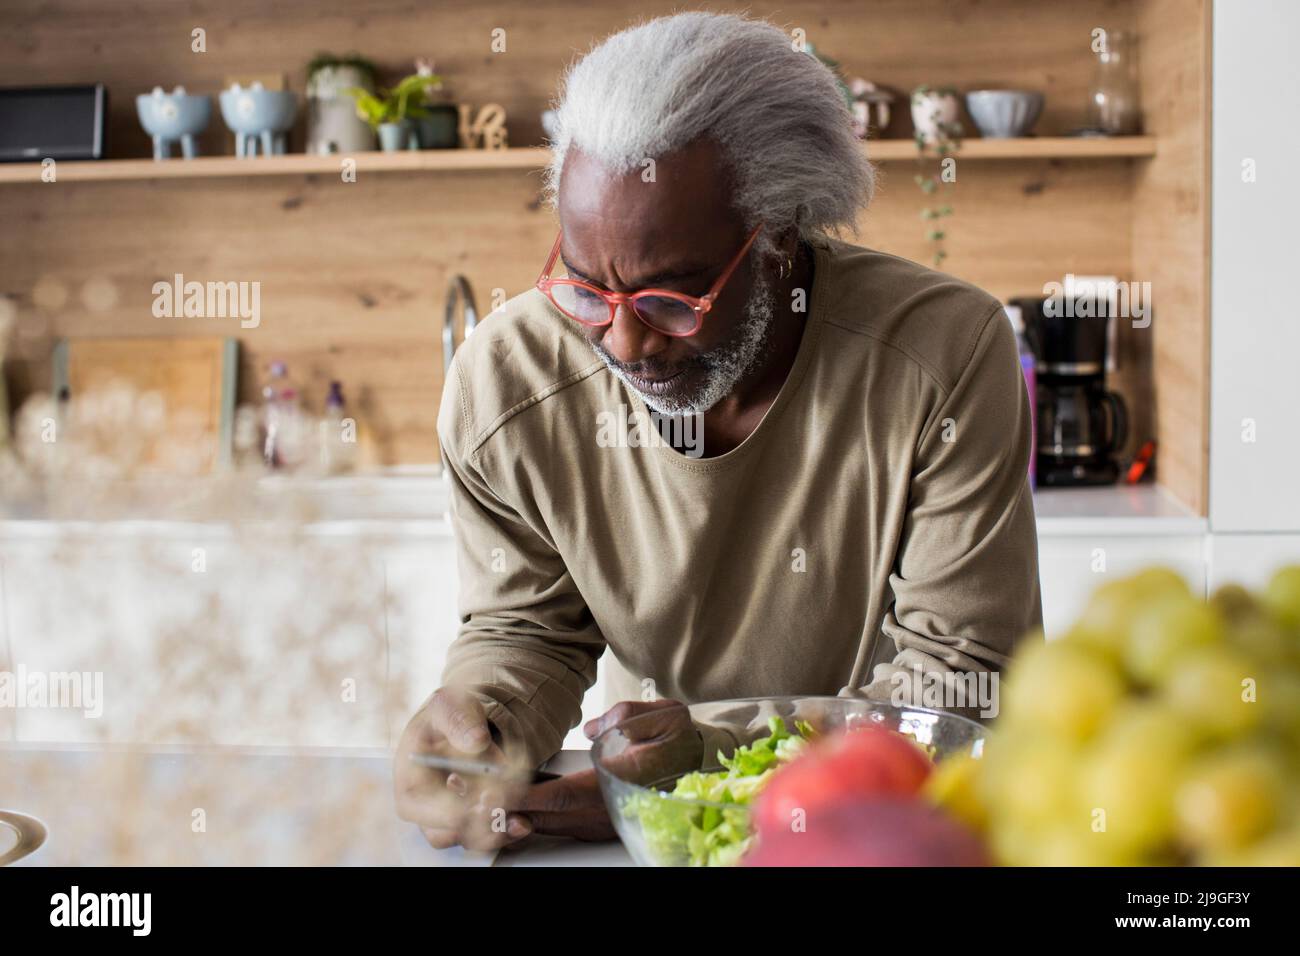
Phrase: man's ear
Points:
(787, 244)
(788, 239)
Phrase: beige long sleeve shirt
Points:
(877, 523)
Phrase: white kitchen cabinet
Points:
(8, 716)
(1249, 559)
(420, 606)
(1255, 335)
(99, 610)
(1087, 536)
(197, 637)
(1071, 567)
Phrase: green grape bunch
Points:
(1160, 729)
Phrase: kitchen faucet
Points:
(458, 294)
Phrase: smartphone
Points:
(467, 767)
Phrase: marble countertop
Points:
(240, 806)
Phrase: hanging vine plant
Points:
(935, 115)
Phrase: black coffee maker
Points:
(1082, 427)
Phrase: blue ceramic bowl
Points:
(173, 115)
(254, 110)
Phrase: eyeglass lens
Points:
(660, 312)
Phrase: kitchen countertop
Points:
(1146, 510)
(412, 503)
(259, 807)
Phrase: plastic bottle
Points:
(1028, 368)
(337, 435)
(291, 443)
(273, 416)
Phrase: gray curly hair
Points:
(778, 115)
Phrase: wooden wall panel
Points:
(1015, 226)
(354, 275)
(1171, 240)
(134, 45)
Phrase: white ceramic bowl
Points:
(1004, 114)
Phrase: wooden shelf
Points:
(1047, 147)
(213, 167)
(528, 157)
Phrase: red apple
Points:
(867, 762)
(875, 831)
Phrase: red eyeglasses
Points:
(666, 311)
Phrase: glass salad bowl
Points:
(678, 797)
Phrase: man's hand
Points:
(451, 808)
(572, 806)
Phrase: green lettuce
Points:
(677, 833)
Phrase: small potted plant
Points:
(936, 114)
(439, 127)
(390, 111)
(333, 125)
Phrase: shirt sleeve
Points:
(527, 646)
(965, 582)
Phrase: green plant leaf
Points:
(371, 108)
(324, 60)
(415, 83)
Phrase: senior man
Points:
(852, 512)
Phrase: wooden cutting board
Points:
(194, 376)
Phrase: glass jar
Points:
(1113, 101)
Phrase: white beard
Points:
(724, 366)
